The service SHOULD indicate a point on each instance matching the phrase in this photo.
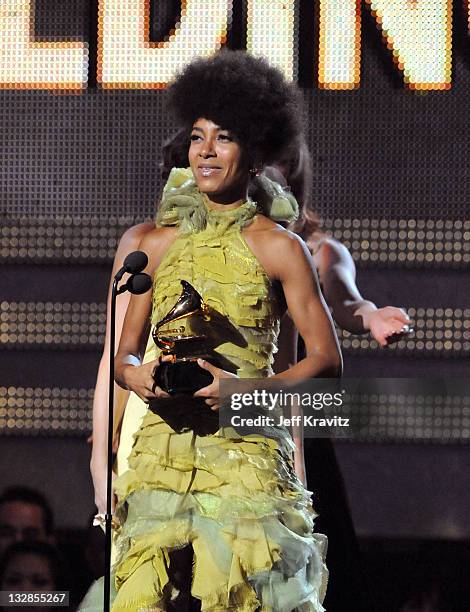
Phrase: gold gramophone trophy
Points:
(182, 374)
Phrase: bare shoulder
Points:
(266, 230)
(276, 247)
(158, 239)
(134, 234)
(328, 251)
(130, 241)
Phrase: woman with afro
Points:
(234, 502)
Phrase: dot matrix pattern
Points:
(28, 411)
(277, 43)
(419, 36)
(405, 243)
(437, 332)
(81, 326)
(52, 325)
(339, 56)
(32, 411)
(412, 418)
(30, 62)
(128, 58)
(391, 176)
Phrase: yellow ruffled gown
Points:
(236, 499)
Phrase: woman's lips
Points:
(207, 171)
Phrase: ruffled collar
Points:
(182, 204)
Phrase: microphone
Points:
(139, 283)
(135, 262)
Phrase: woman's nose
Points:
(207, 149)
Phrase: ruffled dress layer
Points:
(235, 499)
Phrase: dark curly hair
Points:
(243, 94)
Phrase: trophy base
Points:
(183, 376)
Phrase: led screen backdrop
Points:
(82, 123)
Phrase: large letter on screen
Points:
(339, 56)
(419, 34)
(25, 63)
(127, 58)
(270, 33)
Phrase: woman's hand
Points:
(388, 324)
(212, 391)
(141, 379)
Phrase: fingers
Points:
(213, 403)
(155, 392)
(381, 339)
(398, 328)
(389, 330)
(206, 365)
(397, 336)
(208, 391)
(397, 313)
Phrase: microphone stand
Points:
(109, 515)
(137, 283)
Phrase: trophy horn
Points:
(189, 302)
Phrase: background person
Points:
(25, 515)
(32, 566)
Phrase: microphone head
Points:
(139, 283)
(135, 262)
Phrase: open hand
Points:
(389, 324)
(212, 391)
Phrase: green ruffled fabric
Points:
(236, 499)
(184, 205)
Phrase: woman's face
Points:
(220, 168)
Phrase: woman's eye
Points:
(195, 137)
(225, 138)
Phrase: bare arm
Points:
(98, 464)
(285, 358)
(296, 272)
(130, 374)
(350, 310)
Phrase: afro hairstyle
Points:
(243, 94)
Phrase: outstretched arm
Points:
(98, 464)
(350, 310)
